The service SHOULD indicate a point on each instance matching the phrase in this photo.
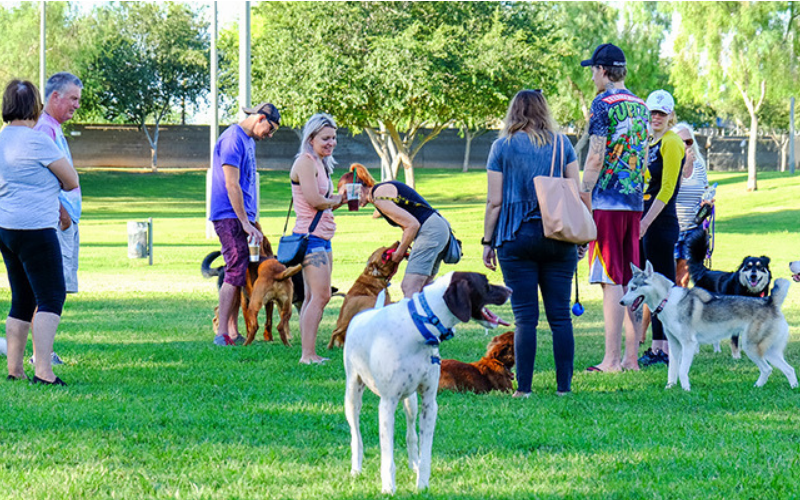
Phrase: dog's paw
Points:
(355, 472)
(669, 386)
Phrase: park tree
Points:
(398, 71)
(147, 59)
(19, 45)
(734, 55)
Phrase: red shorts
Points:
(616, 247)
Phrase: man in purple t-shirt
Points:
(233, 207)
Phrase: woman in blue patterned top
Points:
(513, 234)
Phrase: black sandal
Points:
(12, 378)
(57, 381)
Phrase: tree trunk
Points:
(584, 138)
(752, 184)
(752, 109)
(153, 146)
(468, 137)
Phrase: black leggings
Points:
(35, 271)
(658, 247)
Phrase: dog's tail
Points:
(779, 292)
(289, 272)
(697, 242)
(207, 270)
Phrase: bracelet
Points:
(486, 243)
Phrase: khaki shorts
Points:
(69, 240)
(426, 254)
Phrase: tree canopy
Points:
(146, 59)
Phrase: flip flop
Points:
(594, 369)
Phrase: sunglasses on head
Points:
(688, 141)
(273, 122)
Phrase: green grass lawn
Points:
(154, 410)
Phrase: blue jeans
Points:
(531, 262)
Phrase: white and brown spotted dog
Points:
(394, 350)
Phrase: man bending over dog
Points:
(234, 209)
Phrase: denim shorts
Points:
(681, 249)
(317, 244)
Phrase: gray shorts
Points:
(69, 240)
(426, 253)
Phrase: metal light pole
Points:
(791, 137)
(42, 46)
(213, 125)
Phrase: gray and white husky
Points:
(695, 316)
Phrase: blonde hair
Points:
(313, 127)
(528, 112)
(695, 147)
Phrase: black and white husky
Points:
(695, 316)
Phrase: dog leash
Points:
(429, 319)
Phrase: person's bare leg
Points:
(632, 323)
(413, 283)
(233, 318)
(613, 313)
(45, 325)
(682, 273)
(228, 296)
(16, 338)
(317, 269)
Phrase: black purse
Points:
(292, 248)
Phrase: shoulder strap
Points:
(313, 222)
(286, 224)
(556, 143)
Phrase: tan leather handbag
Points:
(564, 215)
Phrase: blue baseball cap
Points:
(606, 55)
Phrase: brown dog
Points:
(492, 372)
(365, 290)
(267, 282)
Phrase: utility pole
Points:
(42, 46)
(213, 125)
(791, 137)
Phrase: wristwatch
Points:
(485, 243)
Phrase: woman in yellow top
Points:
(659, 228)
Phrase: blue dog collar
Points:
(430, 318)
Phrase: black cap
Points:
(606, 55)
(266, 109)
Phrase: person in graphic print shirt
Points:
(613, 181)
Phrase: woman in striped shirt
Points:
(690, 196)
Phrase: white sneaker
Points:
(53, 360)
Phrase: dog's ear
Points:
(635, 269)
(457, 299)
(648, 269)
(765, 260)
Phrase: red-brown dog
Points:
(362, 295)
(491, 373)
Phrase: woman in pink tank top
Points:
(312, 191)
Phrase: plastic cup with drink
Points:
(255, 248)
(353, 192)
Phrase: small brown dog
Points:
(362, 295)
(267, 281)
(490, 373)
(272, 284)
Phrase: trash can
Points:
(137, 240)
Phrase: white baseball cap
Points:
(661, 100)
